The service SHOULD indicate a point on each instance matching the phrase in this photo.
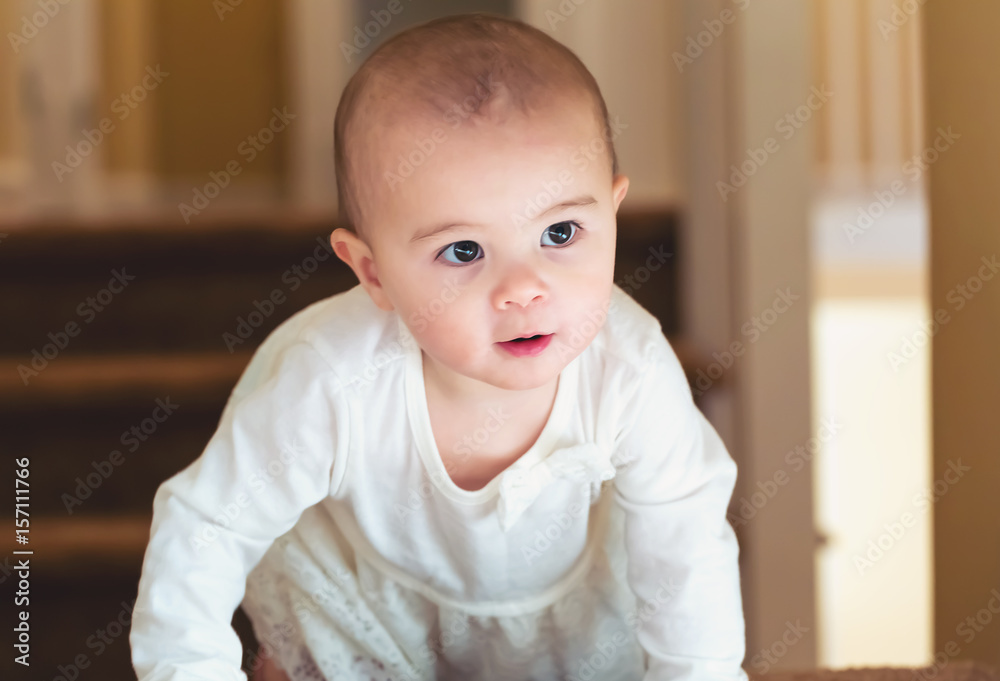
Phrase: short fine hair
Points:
(428, 69)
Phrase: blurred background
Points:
(821, 173)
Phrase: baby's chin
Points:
(522, 383)
(512, 373)
(534, 375)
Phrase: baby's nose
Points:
(520, 286)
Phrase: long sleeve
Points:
(270, 459)
(683, 567)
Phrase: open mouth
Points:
(527, 346)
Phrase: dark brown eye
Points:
(559, 233)
(464, 252)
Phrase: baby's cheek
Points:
(445, 335)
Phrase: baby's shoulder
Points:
(340, 329)
(631, 337)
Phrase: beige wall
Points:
(206, 113)
(126, 51)
(627, 45)
(867, 53)
(738, 252)
(770, 253)
(963, 91)
(8, 82)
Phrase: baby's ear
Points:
(343, 242)
(358, 256)
(619, 188)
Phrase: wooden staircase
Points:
(121, 342)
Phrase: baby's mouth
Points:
(527, 346)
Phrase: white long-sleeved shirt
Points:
(327, 432)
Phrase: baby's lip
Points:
(525, 335)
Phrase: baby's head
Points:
(478, 189)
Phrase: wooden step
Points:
(197, 378)
(194, 378)
(74, 547)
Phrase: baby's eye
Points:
(561, 233)
(465, 252)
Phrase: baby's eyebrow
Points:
(433, 231)
(578, 202)
(585, 201)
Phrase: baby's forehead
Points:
(424, 141)
(492, 169)
(399, 117)
(468, 72)
(405, 127)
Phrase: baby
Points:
(483, 461)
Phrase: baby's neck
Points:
(474, 397)
(513, 420)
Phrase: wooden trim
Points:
(67, 546)
(882, 281)
(115, 378)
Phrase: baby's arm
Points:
(270, 459)
(682, 553)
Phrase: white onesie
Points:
(322, 504)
